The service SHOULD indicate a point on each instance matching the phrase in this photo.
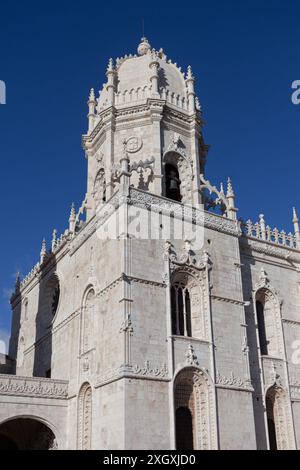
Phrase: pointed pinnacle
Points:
(230, 192)
(110, 66)
(92, 95)
(295, 216)
(18, 279)
(72, 212)
(43, 248)
(189, 75)
(44, 243)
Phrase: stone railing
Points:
(264, 232)
(33, 387)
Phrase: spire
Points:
(92, 96)
(18, 281)
(53, 241)
(43, 251)
(110, 73)
(296, 227)
(144, 46)
(72, 218)
(110, 66)
(230, 192)
(295, 216)
(231, 212)
(92, 105)
(190, 83)
(262, 224)
(189, 75)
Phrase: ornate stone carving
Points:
(194, 390)
(232, 381)
(149, 370)
(85, 417)
(295, 392)
(187, 257)
(33, 387)
(133, 144)
(282, 413)
(191, 357)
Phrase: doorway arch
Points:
(26, 433)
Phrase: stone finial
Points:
(110, 66)
(231, 212)
(296, 227)
(190, 90)
(189, 75)
(295, 216)
(143, 47)
(72, 218)
(43, 251)
(53, 241)
(262, 224)
(91, 104)
(230, 192)
(92, 98)
(17, 281)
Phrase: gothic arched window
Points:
(261, 328)
(52, 292)
(271, 424)
(172, 182)
(280, 430)
(181, 310)
(195, 420)
(267, 311)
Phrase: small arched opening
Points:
(172, 182)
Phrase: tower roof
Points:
(133, 74)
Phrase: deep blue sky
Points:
(245, 55)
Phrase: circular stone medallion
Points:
(133, 144)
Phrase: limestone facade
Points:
(126, 340)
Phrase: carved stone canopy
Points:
(188, 257)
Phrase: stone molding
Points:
(228, 300)
(233, 381)
(33, 387)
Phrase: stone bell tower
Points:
(148, 108)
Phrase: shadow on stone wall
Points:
(255, 370)
(48, 303)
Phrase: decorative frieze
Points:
(33, 387)
(233, 381)
(148, 370)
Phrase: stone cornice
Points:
(228, 300)
(291, 322)
(148, 110)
